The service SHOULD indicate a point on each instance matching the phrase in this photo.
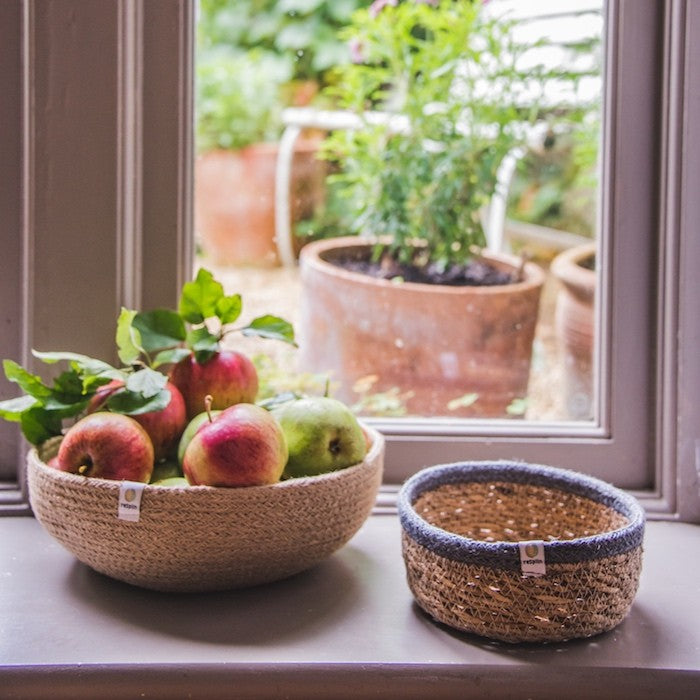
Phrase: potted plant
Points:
(575, 269)
(415, 302)
(238, 125)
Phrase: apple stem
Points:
(208, 399)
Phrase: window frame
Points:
(144, 65)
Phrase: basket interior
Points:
(500, 511)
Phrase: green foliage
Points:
(204, 304)
(45, 405)
(238, 98)
(146, 341)
(556, 187)
(301, 32)
(251, 53)
(452, 73)
(278, 384)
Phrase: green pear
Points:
(323, 435)
(192, 427)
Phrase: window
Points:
(456, 356)
(104, 212)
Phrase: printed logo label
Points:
(130, 500)
(532, 558)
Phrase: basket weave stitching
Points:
(506, 555)
(462, 525)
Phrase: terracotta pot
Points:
(575, 326)
(439, 342)
(235, 196)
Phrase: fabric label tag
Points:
(130, 500)
(532, 558)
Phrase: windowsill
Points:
(347, 628)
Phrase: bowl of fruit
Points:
(170, 476)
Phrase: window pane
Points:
(521, 118)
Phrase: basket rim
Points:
(377, 445)
(506, 555)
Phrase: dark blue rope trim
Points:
(506, 555)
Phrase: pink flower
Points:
(434, 3)
(378, 5)
(356, 47)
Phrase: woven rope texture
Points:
(202, 538)
(460, 546)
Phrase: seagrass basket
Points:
(519, 552)
(201, 538)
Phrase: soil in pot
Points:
(474, 274)
(449, 349)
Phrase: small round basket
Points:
(519, 552)
(201, 538)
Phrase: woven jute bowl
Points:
(203, 538)
(468, 531)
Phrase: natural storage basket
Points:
(465, 525)
(202, 538)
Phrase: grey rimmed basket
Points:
(202, 538)
(462, 529)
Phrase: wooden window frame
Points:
(98, 148)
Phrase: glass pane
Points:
(464, 134)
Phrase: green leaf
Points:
(159, 329)
(463, 401)
(88, 365)
(29, 383)
(68, 397)
(146, 381)
(92, 383)
(128, 338)
(203, 343)
(271, 327)
(166, 357)
(228, 308)
(199, 298)
(39, 425)
(132, 403)
(65, 409)
(12, 409)
(517, 407)
(278, 399)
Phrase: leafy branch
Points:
(146, 343)
(44, 406)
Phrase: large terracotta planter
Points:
(575, 326)
(234, 200)
(440, 343)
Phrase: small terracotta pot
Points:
(440, 343)
(575, 326)
(235, 199)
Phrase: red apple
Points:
(107, 446)
(164, 427)
(243, 446)
(229, 377)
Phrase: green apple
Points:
(192, 427)
(323, 435)
(168, 469)
(172, 481)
